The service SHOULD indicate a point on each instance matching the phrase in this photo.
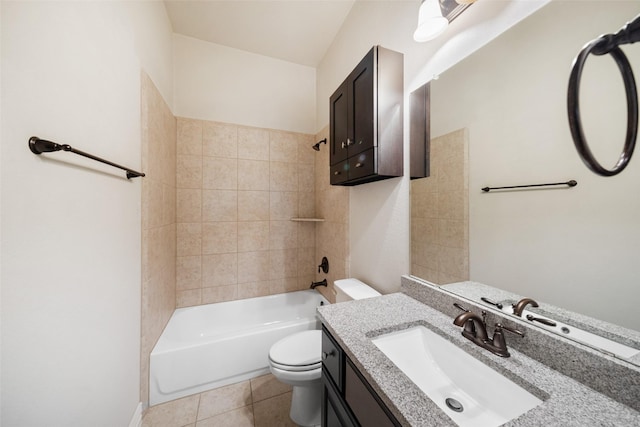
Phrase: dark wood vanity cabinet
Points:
(347, 398)
(366, 121)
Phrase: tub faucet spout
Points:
(520, 305)
(321, 283)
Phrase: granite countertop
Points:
(566, 402)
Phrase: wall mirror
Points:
(505, 105)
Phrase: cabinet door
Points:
(362, 105)
(339, 129)
(363, 402)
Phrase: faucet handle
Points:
(459, 307)
(498, 342)
(506, 328)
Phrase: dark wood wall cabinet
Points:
(347, 398)
(366, 121)
(420, 132)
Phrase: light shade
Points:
(431, 23)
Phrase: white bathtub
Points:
(209, 346)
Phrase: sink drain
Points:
(454, 405)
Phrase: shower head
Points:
(316, 146)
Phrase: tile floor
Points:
(260, 402)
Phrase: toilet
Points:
(296, 359)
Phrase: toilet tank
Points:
(351, 289)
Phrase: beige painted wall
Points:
(218, 83)
(70, 226)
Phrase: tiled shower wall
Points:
(158, 222)
(440, 213)
(332, 235)
(237, 190)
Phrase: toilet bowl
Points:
(296, 359)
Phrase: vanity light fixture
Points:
(431, 23)
(434, 17)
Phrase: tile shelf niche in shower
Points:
(307, 219)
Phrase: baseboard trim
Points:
(136, 421)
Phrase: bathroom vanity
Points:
(347, 398)
(356, 370)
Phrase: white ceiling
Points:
(298, 31)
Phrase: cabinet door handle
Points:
(325, 355)
(359, 165)
(349, 142)
(336, 173)
(344, 145)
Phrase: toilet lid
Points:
(299, 349)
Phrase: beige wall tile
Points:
(253, 175)
(284, 263)
(267, 386)
(283, 235)
(189, 239)
(220, 140)
(283, 176)
(188, 273)
(306, 205)
(189, 205)
(253, 289)
(283, 147)
(219, 173)
(306, 177)
(307, 235)
(219, 294)
(189, 137)
(219, 237)
(253, 143)
(188, 298)
(169, 196)
(307, 262)
(219, 269)
(306, 154)
(253, 266)
(253, 205)
(219, 205)
(253, 236)
(152, 203)
(189, 171)
(158, 291)
(283, 205)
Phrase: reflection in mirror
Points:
(616, 341)
(576, 248)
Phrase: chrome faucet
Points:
(475, 330)
(520, 305)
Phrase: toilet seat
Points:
(298, 352)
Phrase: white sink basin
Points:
(443, 371)
(580, 335)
